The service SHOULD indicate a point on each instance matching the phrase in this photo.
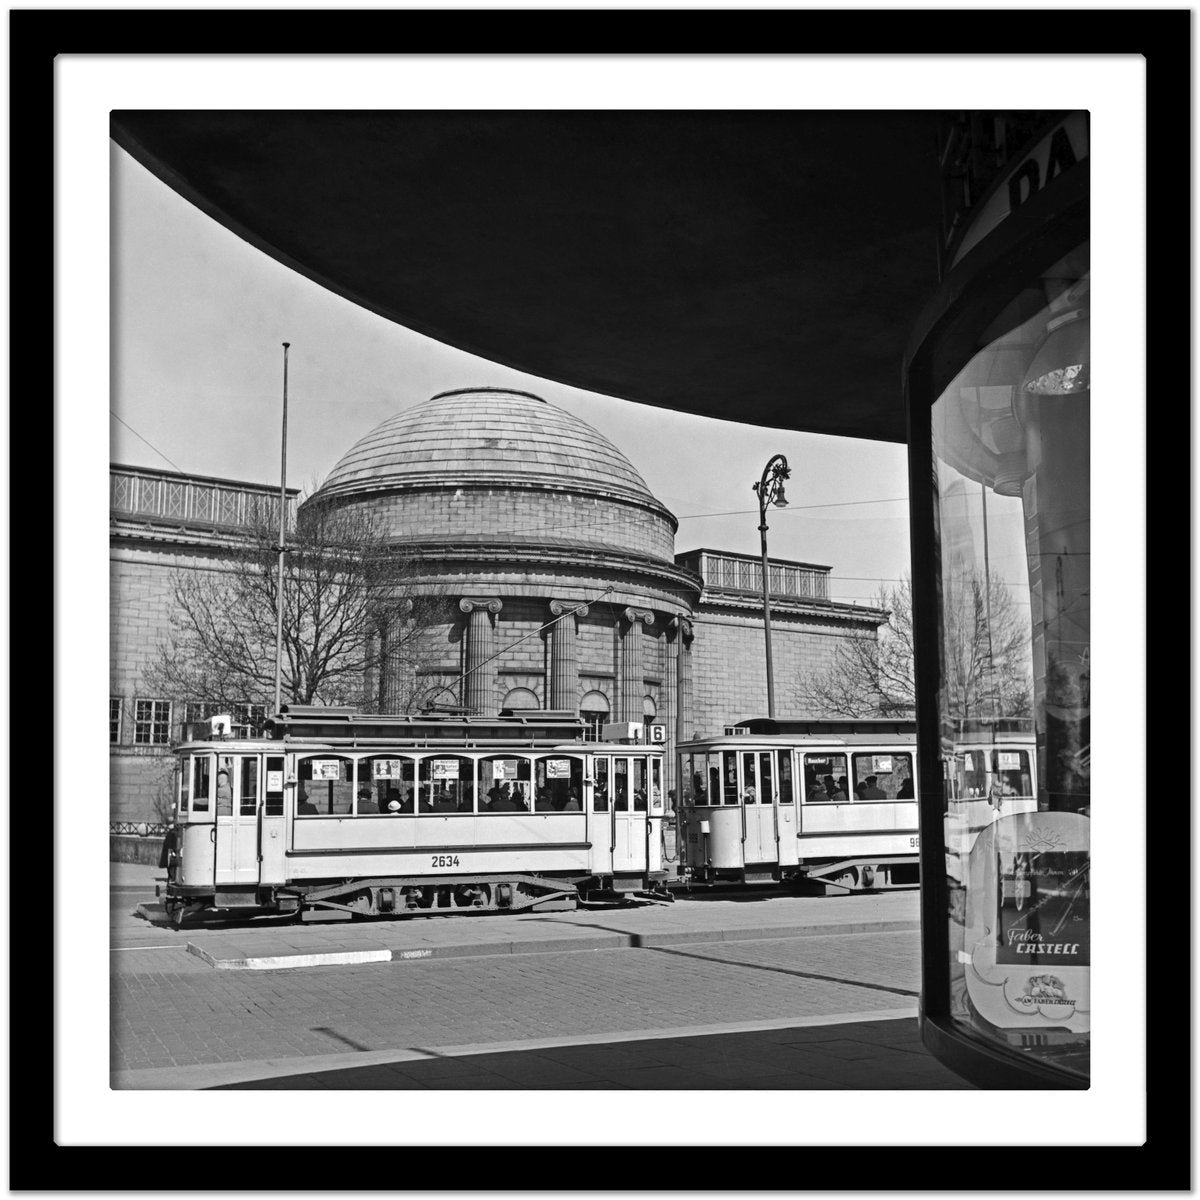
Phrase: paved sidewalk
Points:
(856, 1054)
(272, 944)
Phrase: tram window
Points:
(714, 780)
(501, 779)
(749, 778)
(785, 777)
(388, 780)
(273, 804)
(973, 775)
(248, 786)
(621, 785)
(225, 786)
(689, 782)
(656, 796)
(825, 778)
(730, 788)
(325, 787)
(1012, 774)
(765, 780)
(202, 768)
(600, 793)
(882, 776)
(640, 784)
(558, 784)
(446, 784)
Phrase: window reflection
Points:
(1012, 477)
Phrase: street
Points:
(455, 989)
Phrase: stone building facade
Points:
(558, 567)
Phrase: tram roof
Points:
(824, 725)
(295, 722)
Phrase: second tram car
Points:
(335, 813)
(828, 800)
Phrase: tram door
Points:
(630, 789)
(600, 821)
(758, 805)
(237, 799)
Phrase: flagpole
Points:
(282, 549)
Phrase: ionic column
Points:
(395, 666)
(684, 718)
(480, 681)
(633, 685)
(372, 677)
(564, 656)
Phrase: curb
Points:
(608, 940)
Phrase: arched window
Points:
(521, 698)
(649, 712)
(593, 708)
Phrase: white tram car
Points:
(335, 813)
(829, 800)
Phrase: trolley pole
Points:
(770, 492)
(282, 543)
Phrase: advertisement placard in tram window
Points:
(386, 768)
(558, 768)
(445, 768)
(326, 768)
(1029, 922)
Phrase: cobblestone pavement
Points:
(169, 1009)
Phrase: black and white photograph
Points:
(599, 617)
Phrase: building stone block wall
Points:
(141, 583)
(524, 514)
(729, 669)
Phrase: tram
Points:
(833, 801)
(989, 769)
(335, 813)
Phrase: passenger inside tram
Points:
(873, 791)
(392, 802)
(906, 790)
(304, 806)
(815, 790)
(366, 803)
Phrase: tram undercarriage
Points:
(412, 896)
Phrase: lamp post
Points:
(282, 543)
(770, 491)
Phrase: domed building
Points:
(548, 566)
(558, 561)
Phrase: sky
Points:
(199, 318)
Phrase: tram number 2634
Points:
(444, 860)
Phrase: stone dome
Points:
(492, 437)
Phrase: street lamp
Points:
(770, 491)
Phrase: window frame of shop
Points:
(1030, 240)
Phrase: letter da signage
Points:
(1060, 150)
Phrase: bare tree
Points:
(350, 610)
(985, 659)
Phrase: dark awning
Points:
(764, 267)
